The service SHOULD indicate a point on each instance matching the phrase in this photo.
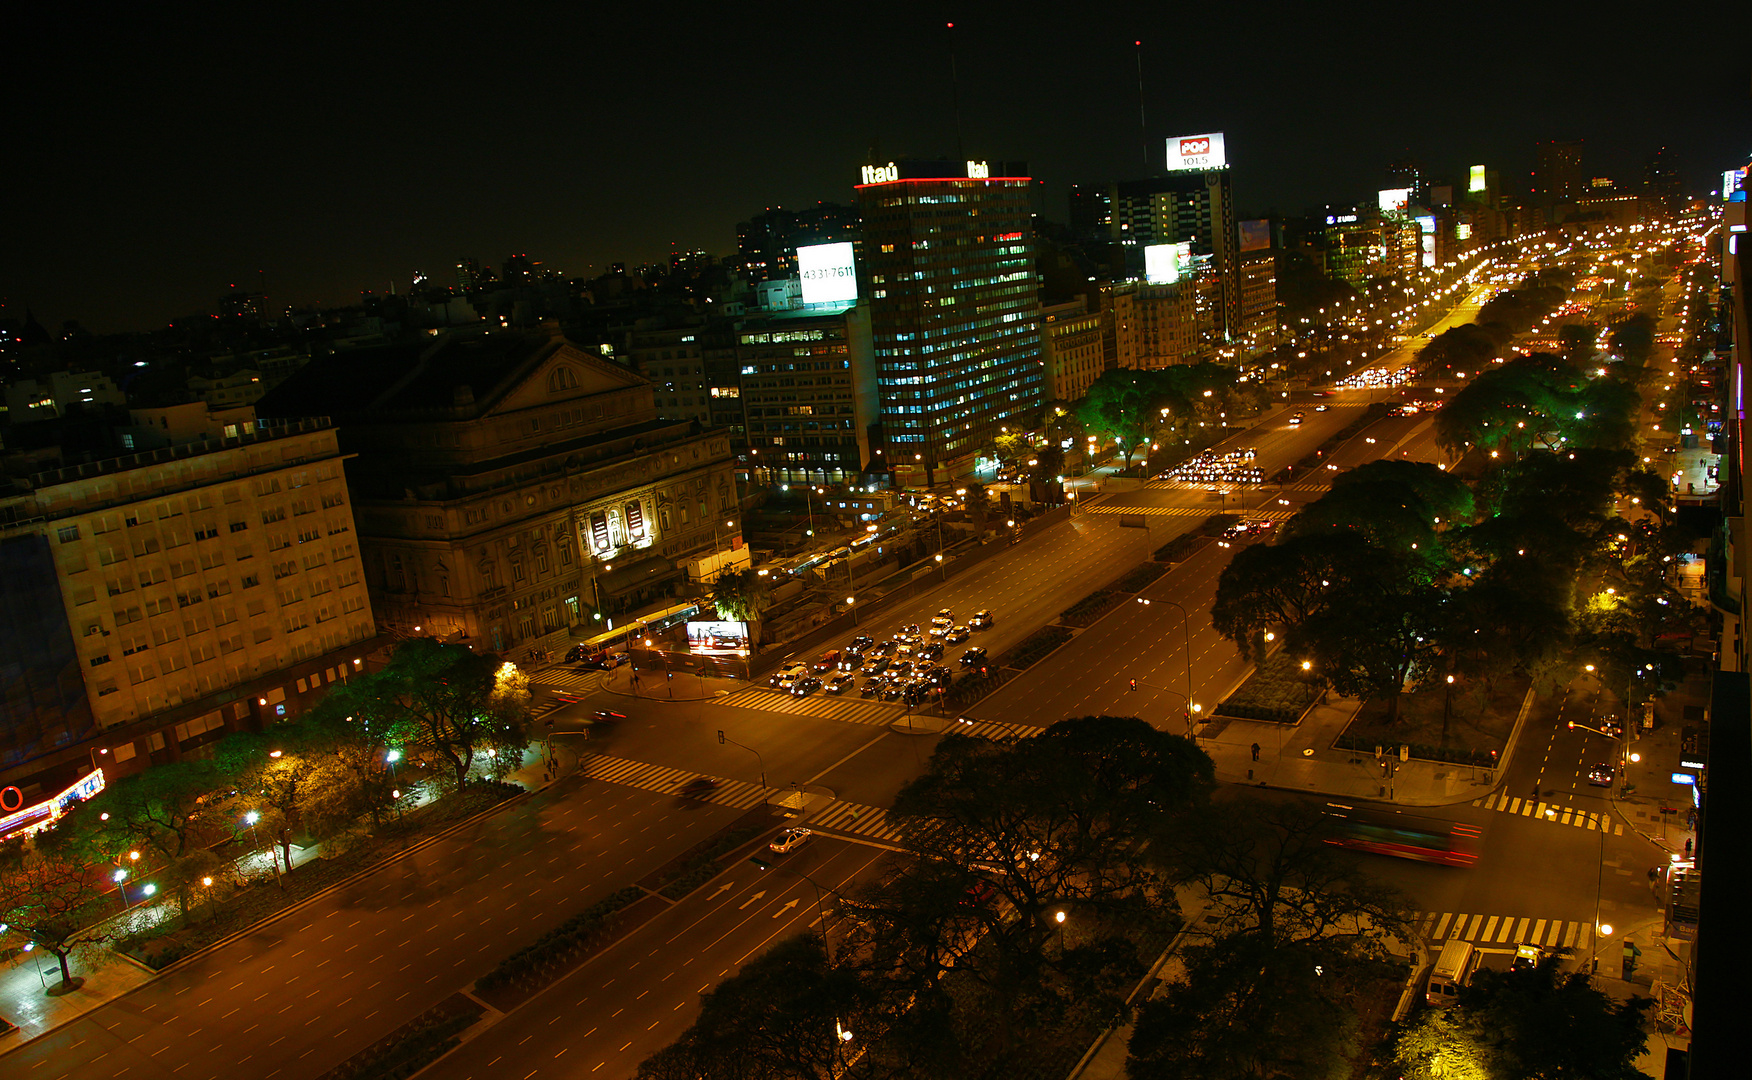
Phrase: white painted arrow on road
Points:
(722, 889)
(752, 899)
(788, 906)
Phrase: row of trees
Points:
(436, 714)
(1134, 409)
(1039, 879)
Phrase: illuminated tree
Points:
(56, 898)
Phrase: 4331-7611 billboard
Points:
(1189, 152)
(828, 273)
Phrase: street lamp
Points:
(1186, 642)
(852, 602)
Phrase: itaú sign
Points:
(881, 174)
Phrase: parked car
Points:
(973, 657)
(789, 840)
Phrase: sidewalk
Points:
(1301, 758)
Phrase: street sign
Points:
(1684, 778)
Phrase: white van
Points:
(1452, 971)
(787, 675)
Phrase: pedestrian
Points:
(1688, 847)
(1255, 751)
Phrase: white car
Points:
(789, 840)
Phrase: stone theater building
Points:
(516, 491)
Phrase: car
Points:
(933, 651)
(884, 648)
(937, 632)
(1321, 408)
(860, 643)
(1296, 419)
(876, 665)
(829, 660)
(978, 894)
(789, 840)
(851, 660)
(805, 686)
(1600, 775)
(973, 657)
(839, 682)
(911, 629)
(577, 653)
(893, 689)
(607, 715)
(1610, 726)
(569, 697)
(943, 618)
(698, 786)
(872, 688)
(981, 620)
(785, 676)
(955, 636)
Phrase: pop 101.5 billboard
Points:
(1190, 152)
(829, 274)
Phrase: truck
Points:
(1453, 970)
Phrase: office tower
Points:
(1193, 203)
(767, 243)
(1661, 183)
(948, 270)
(1557, 174)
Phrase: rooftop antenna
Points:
(955, 93)
(1143, 137)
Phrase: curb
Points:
(504, 804)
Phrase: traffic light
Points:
(1134, 684)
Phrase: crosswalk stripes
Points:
(1186, 511)
(1504, 930)
(845, 817)
(849, 710)
(990, 729)
(736, 794)
(1550, 812)
(566, 678)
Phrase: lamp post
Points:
(1186, 642)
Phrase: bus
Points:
(1403, 836)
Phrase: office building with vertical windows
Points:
(947, 268)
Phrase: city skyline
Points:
(160, 164)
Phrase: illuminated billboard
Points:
(1163, 263)
(828, 273)
(1195, 152)
(1478, 183)
(717, 636)
(1255, 235)
(1394, 200)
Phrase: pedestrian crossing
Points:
(850, 820)
(1504, 930)
(869, 822)
(737, 794)
(567, 678)
(1184, 511)
(1550, 812)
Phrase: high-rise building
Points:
(1661, 184)
(948, 270)
(767, 243)
(1193, 203)
(1557, 178)
(1091, 211)
(1072, 339)
(808, 392)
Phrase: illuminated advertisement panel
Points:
(1162, 264)
(1255, 235)
(716, 636)
(1477, 178)
(828, 274)
(1393, 200)
(1196, 152)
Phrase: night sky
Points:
(158, 156)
